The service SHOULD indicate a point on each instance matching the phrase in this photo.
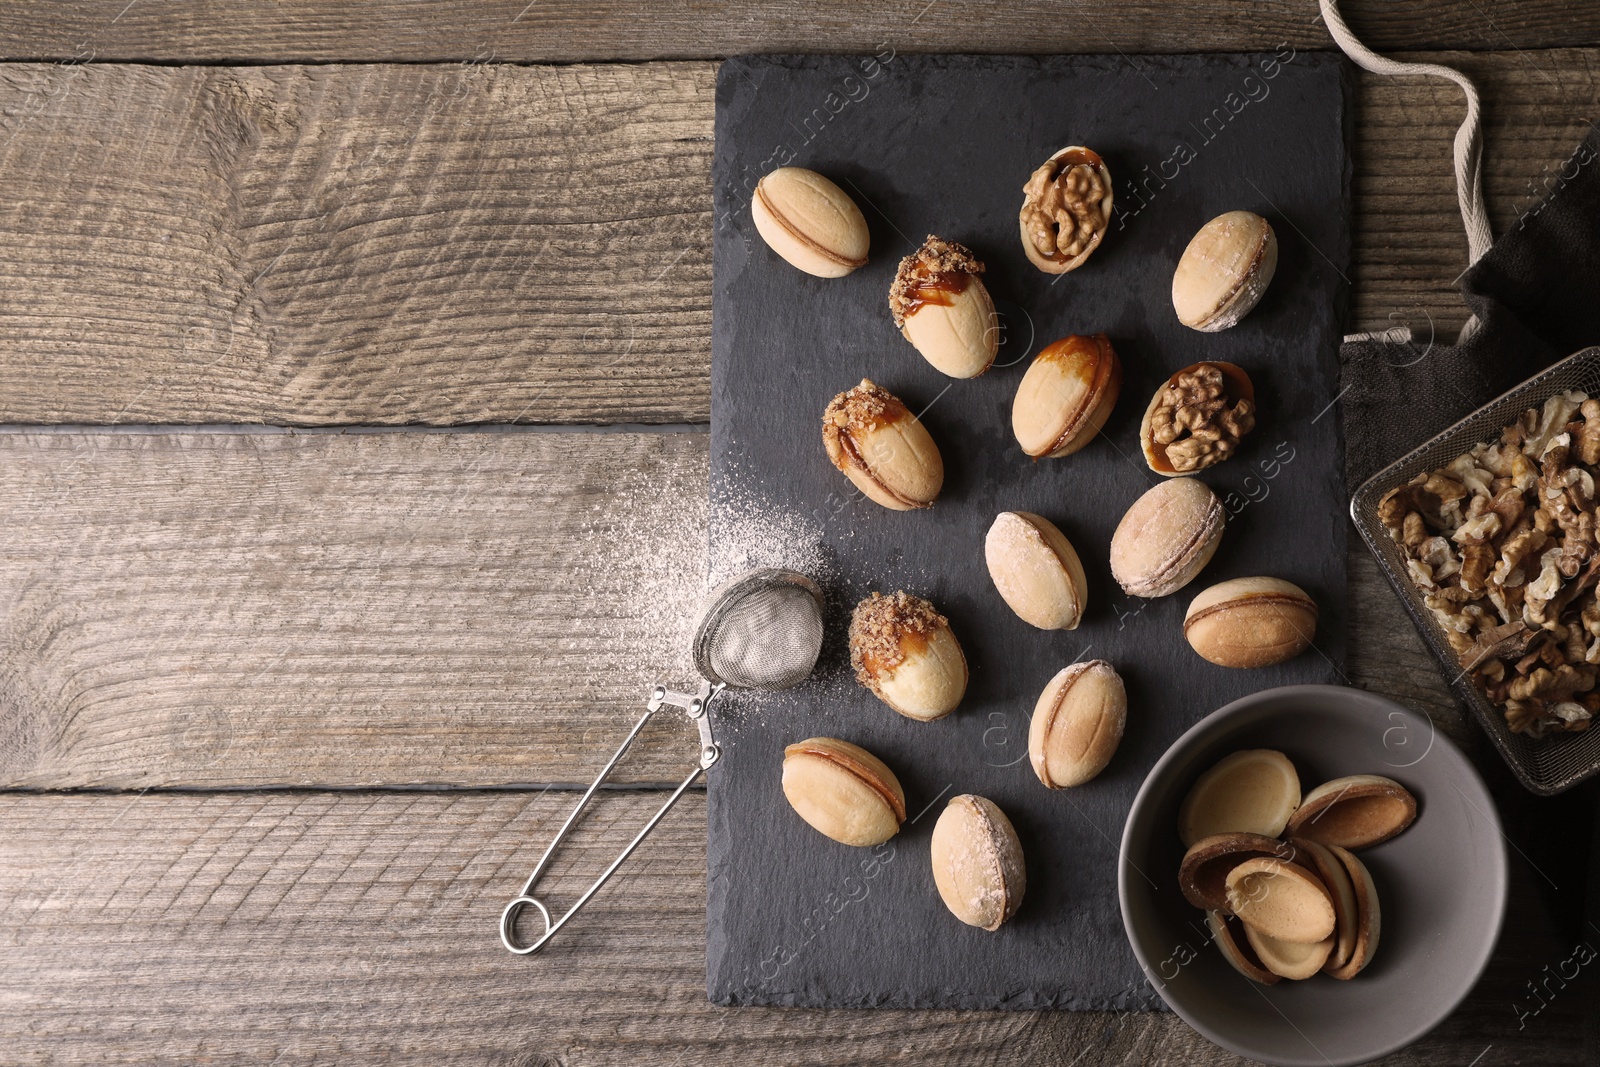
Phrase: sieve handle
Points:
(697, 705)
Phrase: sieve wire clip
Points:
(759, 630)
(697, 706)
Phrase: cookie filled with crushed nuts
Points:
(902, 650)
(1501, 543)
(940, 305)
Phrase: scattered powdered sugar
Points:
(748, 531)
(644, 572)
(642, 561)
(1013, 540)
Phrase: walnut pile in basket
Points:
(1502, 545)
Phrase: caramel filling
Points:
(911, 644)
(1283, 601)
(1096, 369)
(800, 235)
(1078, 157)
(940, 288)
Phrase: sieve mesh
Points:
(761, 630)
(1546, 765)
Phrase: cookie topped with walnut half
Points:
(1502, 545)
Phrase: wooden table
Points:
(284, 719)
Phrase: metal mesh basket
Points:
(1545, 765)
(761, 630)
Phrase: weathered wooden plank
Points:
(328, 245)
(332, 609)
(394, 244)
(318, 928)
(304, 31)
(1385, 655)
(314, 609)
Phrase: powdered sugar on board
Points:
(747, 531)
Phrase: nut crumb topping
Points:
(922, 269)
(879, 625)
(1196, 422)
(860, 408)
(852, 414)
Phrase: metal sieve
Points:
(761, 630)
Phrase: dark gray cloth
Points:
(1536, 294)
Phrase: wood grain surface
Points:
(355, 245)
(524, 31)
(222, 610)
(489, 243)
(343, 609)
(341, 928)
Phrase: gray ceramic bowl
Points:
(1441, 884)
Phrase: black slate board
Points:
(943, 144)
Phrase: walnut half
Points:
(1197, 419)
(1066, 210)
